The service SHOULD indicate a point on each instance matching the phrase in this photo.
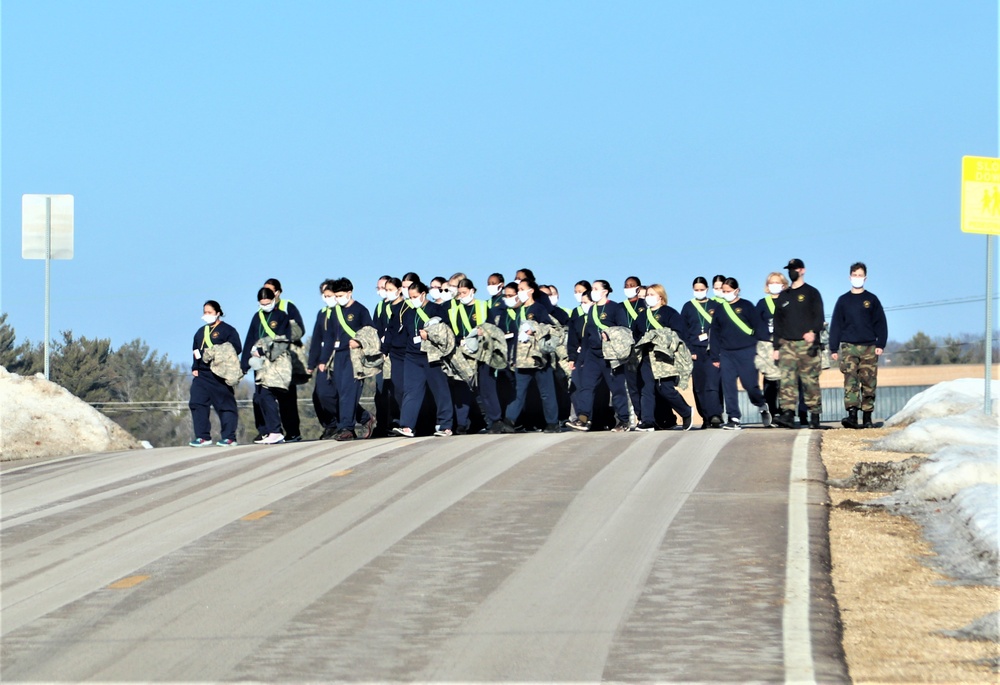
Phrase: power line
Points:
(937, 303)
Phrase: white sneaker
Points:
(445, 433)
(271, 439)
(405, 432)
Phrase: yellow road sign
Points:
(981, 195)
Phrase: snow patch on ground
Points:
(42, 419)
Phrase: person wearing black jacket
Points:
(207, 389)
(798, 321)
(267, 322)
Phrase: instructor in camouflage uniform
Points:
(858, 333)
(798, 321)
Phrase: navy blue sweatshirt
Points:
(766, 316)
(609, 314)
(574, 339)
(221, 333)
(727, 335)
(859, 319)
(666, 316)
(639, 306)
(293, 312)
(507, 320)
(411, 323)
(798, 310)
(695, 325)
(276, 321)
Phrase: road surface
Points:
(664, 556)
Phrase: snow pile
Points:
(42, 419)
(954, 493)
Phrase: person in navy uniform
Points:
(419, 374)
(736, 328)
(634, 305)
(288, 401)
(658, 314)
(390, 390)
(267, 322)
(503, 315)
(773, 286)
(207, 389)
(535, 307)
(340, 391)
(593, 366)
(698, 314)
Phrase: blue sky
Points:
(210, 146)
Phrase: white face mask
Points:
(775, 288)
(511, 302)
(329, 300)
(652, 300)
(343, 300)
(391, 295)
(494, 289)
(523, 295)
(858, 282)
(415, 302)
(700, 294)
(730, 296)
(717, 291)
(517, 281)
(579, 297)
(554, 299)
(434, 294)
(631, 292)
(597, 295)
(446, 295)
(468, 298)
(210, 318)
(382, 293)
(587, 306)
(268, 307)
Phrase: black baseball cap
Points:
(795, 264)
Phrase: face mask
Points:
(329, 300)
(717, 291)
(510, 302)
(210, 318)
(434, 294)
(523, 295)
(343, 300)
(793, 275)
(446, 295)
(586, 307)
(596, 295)
(857, 282)
(700, 294)
(381, 293)
(467, 299)
(554, 299)
(391, 295)
(631, 292)
(517, 281)
(415, 302)
(652, 300)
(730, 296)
(494, 289)
(579, 297)
(774, 288)
(267, 308)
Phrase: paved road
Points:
(646, 556)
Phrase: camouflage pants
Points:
(859, 364)
(795, 363)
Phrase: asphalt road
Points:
(661, 556)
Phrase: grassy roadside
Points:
(891, 604)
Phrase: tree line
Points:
(147, 394)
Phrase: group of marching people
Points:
(480, 356)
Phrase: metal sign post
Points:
(47, 233)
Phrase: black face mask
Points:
(793, 275)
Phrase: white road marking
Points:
(795, 615)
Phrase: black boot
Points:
(814, 421)
(506, 426)
(852, 418)
(786, 419)
(866, 420)
(803, 418)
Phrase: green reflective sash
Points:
(595, 315)
(480, 315)
(737, 320)
(700, 308)
(208, 338)
(264, 324)
(652, 320)
(770, 304)
(633, 315)
(343, 324)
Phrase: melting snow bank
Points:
(42, 419)
(954, 492)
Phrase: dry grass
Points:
(891, 604)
